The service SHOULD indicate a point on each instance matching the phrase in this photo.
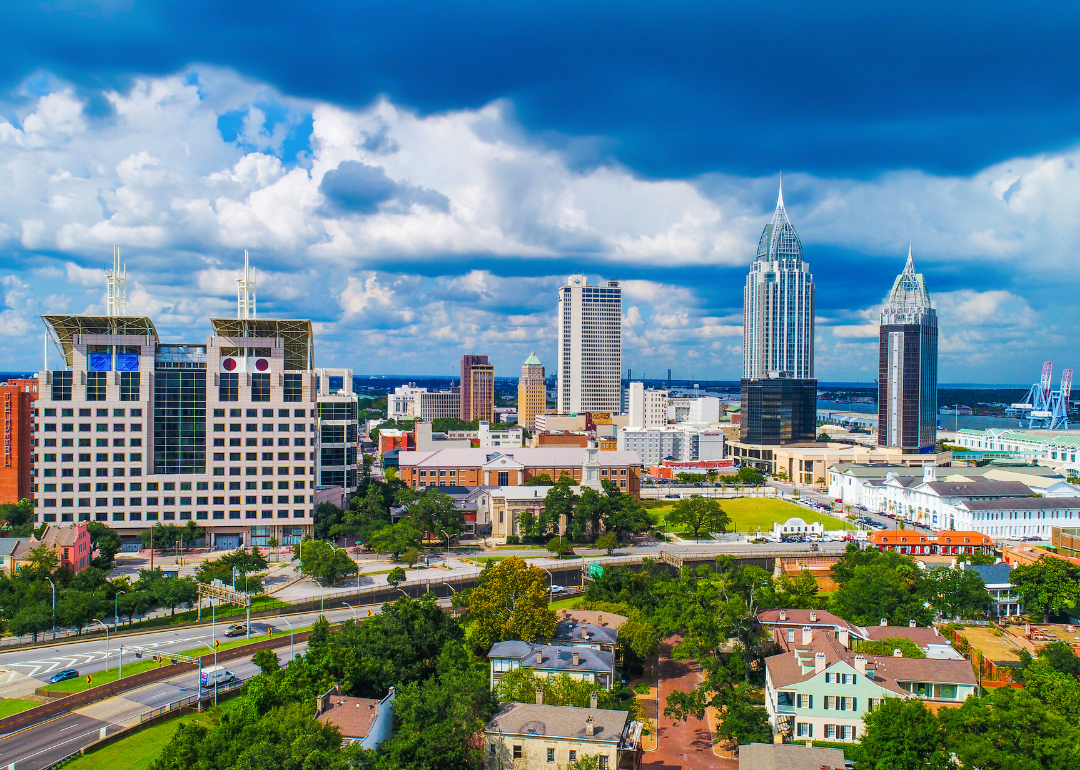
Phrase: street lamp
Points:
(292, 632)
(214, 650)
(53, 605)
(116, 611)
(106, 642)
(353, 611)
(447, 547)
(322, 599)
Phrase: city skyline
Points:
(412, 218)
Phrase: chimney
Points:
(783, 614)
(935, 630)
(565, 612)
(599, 620)
(813, 616)
(929, 472)
(590, 730)
(896, 653)
(963, 565)
(843, 637)
(539, 657)
(911, 624)
(884, 622)
(819, 662)
(576, 657)
(539, 696)
(860, 664)
(593, 699)
(807, 634)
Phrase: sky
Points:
(419, 179)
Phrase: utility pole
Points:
(151, 549)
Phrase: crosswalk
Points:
(13, 672)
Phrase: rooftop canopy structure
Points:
(66, 328)
(297, 334)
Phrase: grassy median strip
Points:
(9, 706)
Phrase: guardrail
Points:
(189, 700)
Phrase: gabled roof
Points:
(994, 574)
(558, 722)
(789, 756)
(1020, 504)
(553, 657)
(874, 471)
(8, 545)
(978, 488)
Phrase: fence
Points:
(189, 700)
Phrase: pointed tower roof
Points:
(908, 301)
(532, 360)
(779, 239)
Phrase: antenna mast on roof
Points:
(245, 292)
(116, 287)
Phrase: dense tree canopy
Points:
(1048, 586)
(510, 601)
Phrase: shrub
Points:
(512, 539)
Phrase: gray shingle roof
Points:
(769, 756)
(554, 657)
(994, 574)
(558, 722)
(1021, 504)
(980, 488)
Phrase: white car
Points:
(557, 590)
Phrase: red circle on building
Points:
(228, 364)
(262, 364)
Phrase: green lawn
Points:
(79, 684)
(753, 513)
(9, 706)
(192, 616)
(567, 604)
(138, 750)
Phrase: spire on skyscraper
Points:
(908, 297)
(779, 239)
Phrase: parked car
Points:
(63, 676)
(237, 629)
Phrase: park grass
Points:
(750, 514)
(138, 750)
(566, 604)
(9, 706)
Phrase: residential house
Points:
(526, 736)
(790, 628)
(582, 663)
(71, 543)
(820, 690)
(595, 630)
(789, 756)
(1005, 600)
(366, 721)
(13, 552)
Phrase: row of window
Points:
(85, 427)
(601, 760)
(185, 486)
(84, 457)
(50, 473)
(99, 412)
(267, 427)
(103, 502)
(50, 518)
(85, 442)
(836, 732)
(137, 486)
(282, 470)
(282, 441)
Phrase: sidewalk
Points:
(686, 745)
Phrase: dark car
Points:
(237, 630)
(63, 676)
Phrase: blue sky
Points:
(419, 179)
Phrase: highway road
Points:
(39, 746)
(23, 671)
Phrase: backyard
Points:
(751, 514)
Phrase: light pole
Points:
(447, 547)
(53, 606)
(116, 611)
(214, 650)
(322, 598)
(353, 611)
(292, 649)
(402, 591)
(106, 642)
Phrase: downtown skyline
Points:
(412, 229)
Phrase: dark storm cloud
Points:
(357, 188)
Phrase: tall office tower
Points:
(17, 399)
(590, 347)
(779, 392)
(907, 365)
(646, 408)
(532, 392)
(477, 389)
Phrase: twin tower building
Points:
(779, 389)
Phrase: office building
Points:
(532, 392)
(907, 365)
(436, 405)
(17, 399)
(477, 389)
(227, 433)
(590, 347)
(779, 392)
(646, 408)
(680, 443)
(399, 404)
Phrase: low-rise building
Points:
(789, 756)
(13, 551)
(789, 628)
(527, 736)
(1057, 450)
(582, 663)
(71, 544)
(820, 690)
(366, 721)
(1019, 517)
(948, 543)
(1005, 600)
(683, 443)
(595, 630)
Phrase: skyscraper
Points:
(532, 392)
(907, 365)
(477, 389)
(779, 391)
(590, 347)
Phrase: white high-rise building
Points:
(590, 347)
(646, 408)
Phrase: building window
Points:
(294, 388)
(229, 387)
(550, 754)
(129, 386)
(805, 730)
(61, 386)
(260, 387)
(517, 752)
(602, 762)
(180, 422)
(573, 755)
(504, 478)
(95, 386)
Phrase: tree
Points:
(366, 515)
(396, 538)
(956, 592)
(171, 593)
(741, 722)
(1059, 690)
(321, 560)
(585, 762)
(433, 511)
(697, 513)
(624, 515)
(163, 536)
(1049, 585)
(878, 584)
(609, 541)
(396, 577)
(510, 602)
(272, 543)
(748, 475)
(800, 592)
(520, 686)
(18, 517)
(902, 733)
(540, 480)
(558, 546)
(558, 506)
(104, 540)
(411, 556)
(266, 660)
(32, 619)
(42, 561)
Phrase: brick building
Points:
(477, 389)
(17, 399)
